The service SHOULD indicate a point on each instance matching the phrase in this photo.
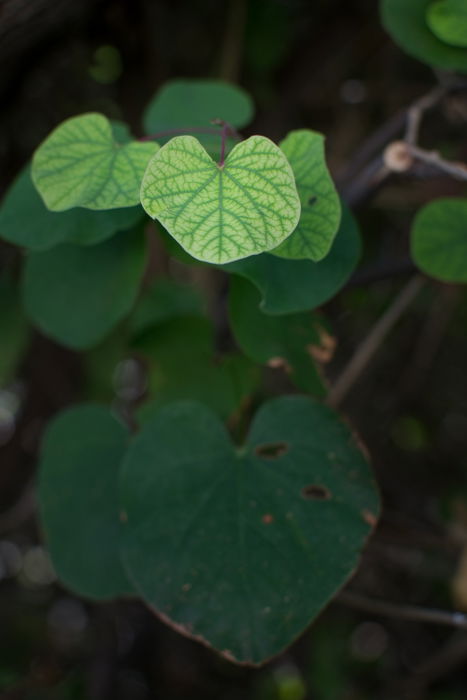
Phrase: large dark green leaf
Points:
(279, 341)
(26, 221)
(78, 499)
(406, 22)
(289, 286)
(439, 239)
(76, 294)
(242, 548)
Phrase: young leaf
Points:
(290, 286)
(80, 164)
(14, 329)
(242, 548)
(78, 479)
(220, 213)
(406, 22)
(181, 364)
(321, 209)
(26, 221)
(279, 341)
(439, 239)
(194, 104)
(77, 294)
(448, 20)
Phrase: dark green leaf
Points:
(76, 295)
(242, 548)
(439, 239)
(26, 221)
(289, 286)
(279, 341)
(182, 364)
(164, 300)
(193, 104)
(81, 456)
(448, 20)
(406, 22)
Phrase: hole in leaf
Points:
(315, 492)
(272, 450)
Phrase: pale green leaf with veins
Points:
(321, 209)
(220, 213)
(80, 164)
(447, 19)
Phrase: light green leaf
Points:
(290, 286)
(279, 341)
(321, 209)
(181, 364)
(448, 20)
(14, 329)
(406, 22)
(81, 165)
(222, 213)
(439, 239)
(78, 499)
(242, 548)
(193, 104)
(76, 294)
(26, 221)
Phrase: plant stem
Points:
(371, 343)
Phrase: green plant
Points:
(234, 513)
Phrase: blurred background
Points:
(325, 65)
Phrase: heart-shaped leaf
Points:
(321, 209)
(289, 286)
(439, 239)
(81, 165)
(406, 22)
(289, 342)
(26, 221)
(81, 455)
(242, 548)
(77, 294)
(448, 20)
(220, 213)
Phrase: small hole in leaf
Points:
(312, 200)
(315, 492)
(272, 450)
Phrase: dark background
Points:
(325, 65)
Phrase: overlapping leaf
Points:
(406, 22)
(321, 209)
(222, 213)
(80, 164)
(241, 548)
(77, 294)
(78, 498)
(290, 286)
(289, 342)
(439, 239)
(192, 105)
(26, 221)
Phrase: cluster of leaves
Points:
(237, 546)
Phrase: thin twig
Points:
(417, 110)
(369, 346)
(413, 613)
(433, 158)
